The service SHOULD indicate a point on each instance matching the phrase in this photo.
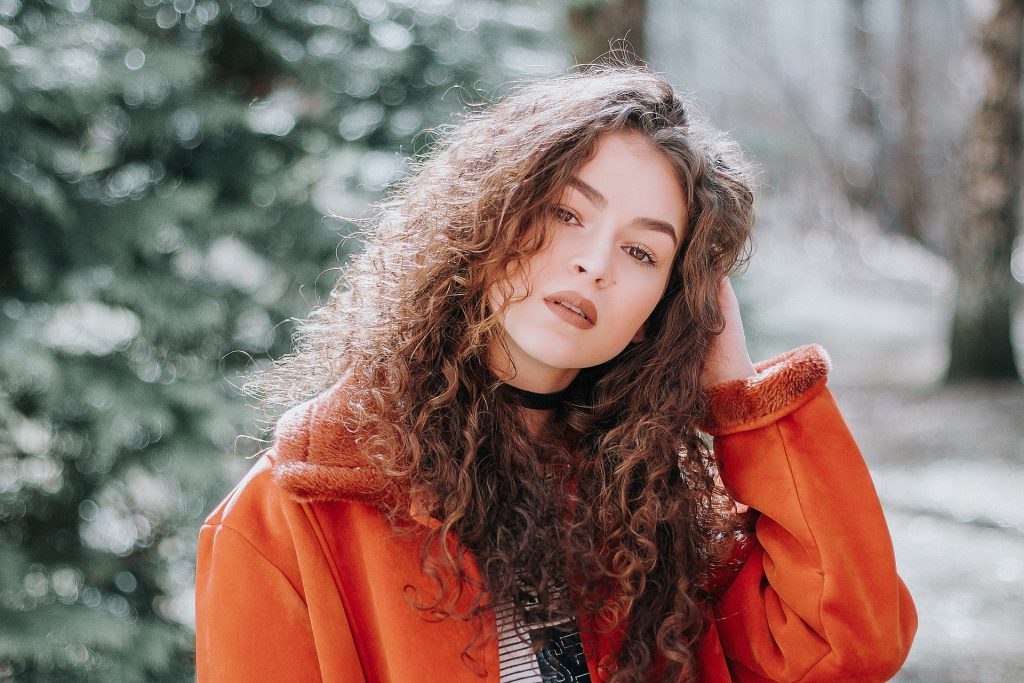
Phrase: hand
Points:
(728, 358)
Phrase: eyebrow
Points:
(601, 202)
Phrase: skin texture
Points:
(602, 246)
(728, 358)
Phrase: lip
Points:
(576, 300)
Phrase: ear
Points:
(641, 335)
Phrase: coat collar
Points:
(317, 457)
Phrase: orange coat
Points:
(299, 578)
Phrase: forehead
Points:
(632, 179)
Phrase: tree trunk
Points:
(908, 186)
(601, 26)
(981, 346)
(862, 163)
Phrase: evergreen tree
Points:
(165, 169)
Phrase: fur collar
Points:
(316, 458)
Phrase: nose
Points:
(594, 261)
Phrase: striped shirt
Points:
(560, 660)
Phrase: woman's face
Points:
(614, 234)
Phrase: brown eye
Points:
(641, 255)
(564, 215)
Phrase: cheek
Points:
(532, 274)
(651, 294)
(513, 287)
(641, 304)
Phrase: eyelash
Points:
(563, 214)
(646, 256)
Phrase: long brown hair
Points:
(617, 496)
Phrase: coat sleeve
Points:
(252, 619)
(818, 597)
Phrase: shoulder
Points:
(269, 515)
(255, 497)
(256, 525)
(316, 457)
(315, 467)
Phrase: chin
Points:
(553, 354)
(566, 356)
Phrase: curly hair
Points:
(617, 496)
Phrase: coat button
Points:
(606, 667)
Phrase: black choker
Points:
(535, 400)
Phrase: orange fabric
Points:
(300, 579)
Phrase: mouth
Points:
(576, 304)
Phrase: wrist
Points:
(731, 373)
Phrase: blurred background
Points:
(167, 173)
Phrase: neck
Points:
(535, 400)
(535, 408)
(527, 373)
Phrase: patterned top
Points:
(560, 660)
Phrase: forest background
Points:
(168, 169)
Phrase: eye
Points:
(641, 254)
(565, 215)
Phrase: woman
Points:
(508, 477)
